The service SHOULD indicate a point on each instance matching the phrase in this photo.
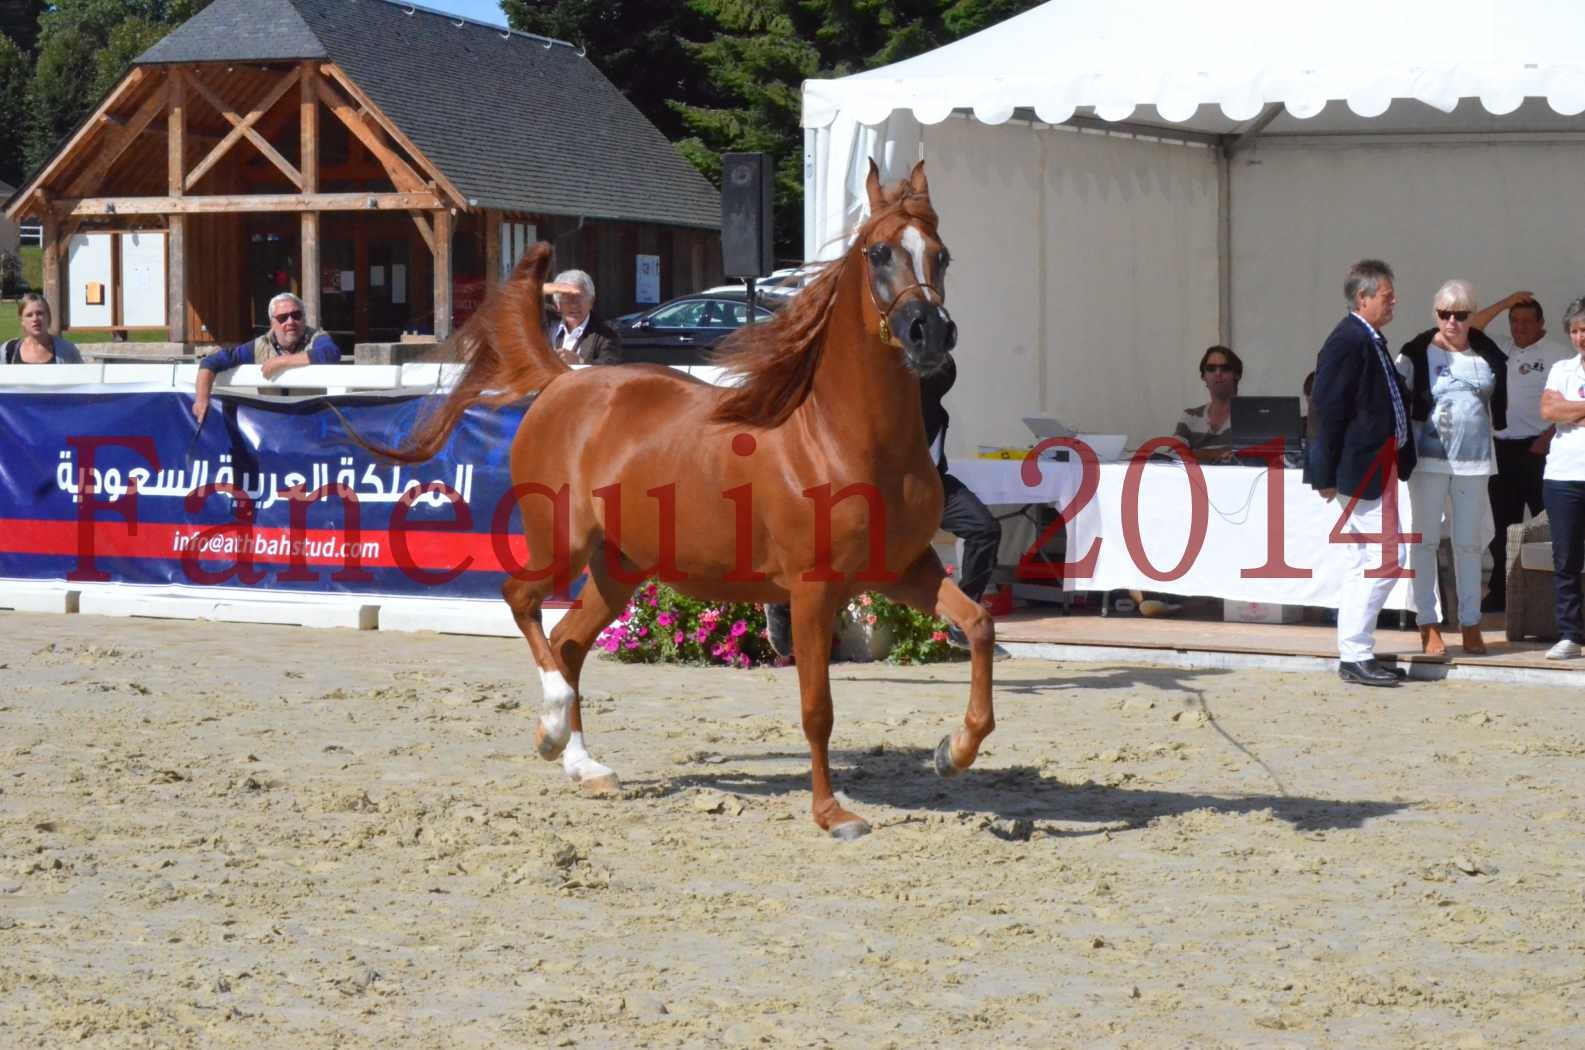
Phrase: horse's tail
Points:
(507, 358)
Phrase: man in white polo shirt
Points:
(1563, 489)
(1522, 445)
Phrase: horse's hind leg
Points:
(926, 586)
(599, 603)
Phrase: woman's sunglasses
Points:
(1453, 315)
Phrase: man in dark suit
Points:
(1360, 410)
(581, 337)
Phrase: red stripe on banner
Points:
(425, 549)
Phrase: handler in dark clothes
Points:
(962, 514)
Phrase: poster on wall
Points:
(647, 282)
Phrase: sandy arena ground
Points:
(237, 836)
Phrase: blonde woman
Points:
(1458, 398)
(37, 346)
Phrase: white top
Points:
(1456, 438)
(1527, 373)
(567, 338)
(1565, 460)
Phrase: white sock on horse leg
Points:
(577, 764)
(557, 705)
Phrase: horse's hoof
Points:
(547, 747)
(607, 786)
(851, 831)
(944, 766)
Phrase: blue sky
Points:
(478, 10)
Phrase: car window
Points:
(680, 315)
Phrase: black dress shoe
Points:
(778, 624)
(1366, 672)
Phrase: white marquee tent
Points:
(1124, 183)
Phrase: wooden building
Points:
(381, 160)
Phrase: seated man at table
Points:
(1206, 426)
(290, 343)
(962, 514)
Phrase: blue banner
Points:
(125, 487)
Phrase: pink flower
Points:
(643, 632)
(742, 660)
(652, 588)
(632, 645)
(626, 615)
(870, 619)
(865, 599)
(948, 569)
(677, 638)
(701, 634)
(664, 619)
(938, 636)
(739, 629)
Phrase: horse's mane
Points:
(776, 360)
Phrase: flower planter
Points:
(862, 642)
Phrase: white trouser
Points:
(1361, 597)
(1428, 494)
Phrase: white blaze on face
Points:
(913, 243)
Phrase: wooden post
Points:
(51, 232)
(442, 274)
(360, 282)
(176, 228)
(308, 126)
(492, 246)
(308, 162)
(311, 279)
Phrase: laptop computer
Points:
(1045, 427)
(1257, 419)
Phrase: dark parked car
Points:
(682, 331)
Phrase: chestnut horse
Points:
(809, 480)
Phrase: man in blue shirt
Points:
(289, 343)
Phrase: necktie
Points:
(1399, 423)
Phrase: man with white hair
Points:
(289, 343)
(581, 337)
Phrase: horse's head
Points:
(906, 262)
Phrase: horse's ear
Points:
(529, 275)
(872, 186)
(533, 266)
(916, 181)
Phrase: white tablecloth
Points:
(1235, 535)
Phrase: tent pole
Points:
(811, 180)
(1224, 247)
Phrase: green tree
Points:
(84, 48)
(15, 71)
(19, 20)
(640, 47)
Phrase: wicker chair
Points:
(1531, 610)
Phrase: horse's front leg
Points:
(926, 586)
(813, 609)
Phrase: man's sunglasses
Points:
(1453, 315)
(295, 315)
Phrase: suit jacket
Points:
(598, 345)
(932, 389)
(1352, 405)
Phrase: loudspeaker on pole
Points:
(746, 233)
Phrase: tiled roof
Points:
(516, 122)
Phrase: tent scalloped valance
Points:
(869, 100)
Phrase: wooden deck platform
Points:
(1042, 631)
